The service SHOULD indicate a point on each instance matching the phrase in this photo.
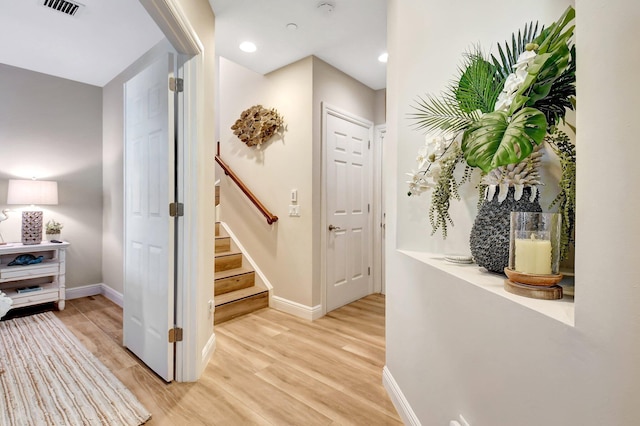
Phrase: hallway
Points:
(269, 368)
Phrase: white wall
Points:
(112, 163)
(51, 128)
(454, 348)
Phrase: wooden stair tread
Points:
(228, 253)
(237, 295)
(232, 273)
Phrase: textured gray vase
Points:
(489, 241)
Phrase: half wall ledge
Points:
(562, 310)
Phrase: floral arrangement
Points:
(257, 125)
(495, 117)
(53, 227)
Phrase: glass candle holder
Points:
(534, 246)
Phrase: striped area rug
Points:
(47, 377)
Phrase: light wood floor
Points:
(269, 368)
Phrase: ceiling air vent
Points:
(67, 7)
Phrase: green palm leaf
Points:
(441, 115)
(509, 56)
(496, 140)
(479, 84)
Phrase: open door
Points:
(149, 180)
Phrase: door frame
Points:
(328, 109)
(173, 22)
(379, 224)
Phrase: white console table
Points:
(47, 275)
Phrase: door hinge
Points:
(369, 144)
(176, 84)
(176, 209)
(368, 208)
(369, 270)
(175, 335)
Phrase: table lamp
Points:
(32, 192)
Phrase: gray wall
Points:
(51, 128)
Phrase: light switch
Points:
(294, 210)
(294, 195)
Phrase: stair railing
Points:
(271, 218)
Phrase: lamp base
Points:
(31, 228)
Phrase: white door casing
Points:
(379, 215)
(348, 251)
(149, 230)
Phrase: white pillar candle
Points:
(533, 256)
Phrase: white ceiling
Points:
(350, 38)
(106, 36)
(92, 47)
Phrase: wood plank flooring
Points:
(269, 368)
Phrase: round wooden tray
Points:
(533, 279)
(553, 292)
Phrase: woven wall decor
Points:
(257, 125)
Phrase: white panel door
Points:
(348, 204)
(149, 230)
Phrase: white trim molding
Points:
(93, 290)
(398, 399)
(83, 291)
(297, 309)
(209, 348)
(115, 296)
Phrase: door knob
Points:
(334, 228)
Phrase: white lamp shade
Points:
(37, 192)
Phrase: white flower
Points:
(429, 162)
(514, 80)
(418, 184)
(423, 156)
(526, 58)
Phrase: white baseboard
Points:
(83, 291)
(115, 296)
(398, 399)
(294, 308)
(207, 351)
(93, 290)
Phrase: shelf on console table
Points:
(49, 274)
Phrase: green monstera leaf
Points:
(496, 140)
(541, 76)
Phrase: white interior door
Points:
(149, 230)
(347, 144)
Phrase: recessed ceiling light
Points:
(326, 8)
(247, 46)
(292, 26)
(384, 57)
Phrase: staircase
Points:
(236, 290)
